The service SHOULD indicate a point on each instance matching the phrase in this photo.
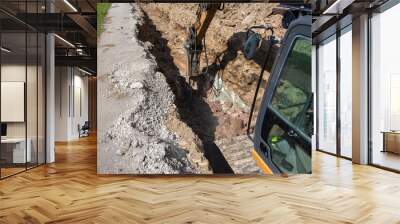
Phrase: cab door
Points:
(284, 125)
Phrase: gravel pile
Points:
(134, 100)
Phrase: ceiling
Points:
(74, 22)
(328, 14)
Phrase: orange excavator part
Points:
(204, 20)
(260, 162)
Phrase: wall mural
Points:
(177, 89)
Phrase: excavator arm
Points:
(196, 33)
(204, 17)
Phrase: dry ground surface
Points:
(134, 104)
(166, 28)
(152, 120)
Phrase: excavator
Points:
(284, 125)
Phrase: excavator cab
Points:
(282, 136)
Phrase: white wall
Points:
(62, 81)
(33, 126)
(79, 117)
(9, 73)
(67, 116)
(13, 100)
(12, 73)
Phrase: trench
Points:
(192, 109)
(212, 118)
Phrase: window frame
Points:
(300, 28)
(344, 23)
(40, 42)
(309, 99)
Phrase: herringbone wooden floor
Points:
(69, 191)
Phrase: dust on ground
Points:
(151, 123)
(136, 103)
(215, 116)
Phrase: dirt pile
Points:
(151, 123)
(136, 103)
(224, 40)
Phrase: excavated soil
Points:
(213, 116)
(152, 122)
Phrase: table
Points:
(391, 141)
(15, 148)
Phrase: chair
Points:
(84, 130)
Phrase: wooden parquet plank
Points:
(70, 191)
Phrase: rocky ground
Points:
(230, 108)
(135, 103)
(150, 121)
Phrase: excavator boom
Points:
(196, 34)
(205, 16)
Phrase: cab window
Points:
(293, 96)
(287, 127)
